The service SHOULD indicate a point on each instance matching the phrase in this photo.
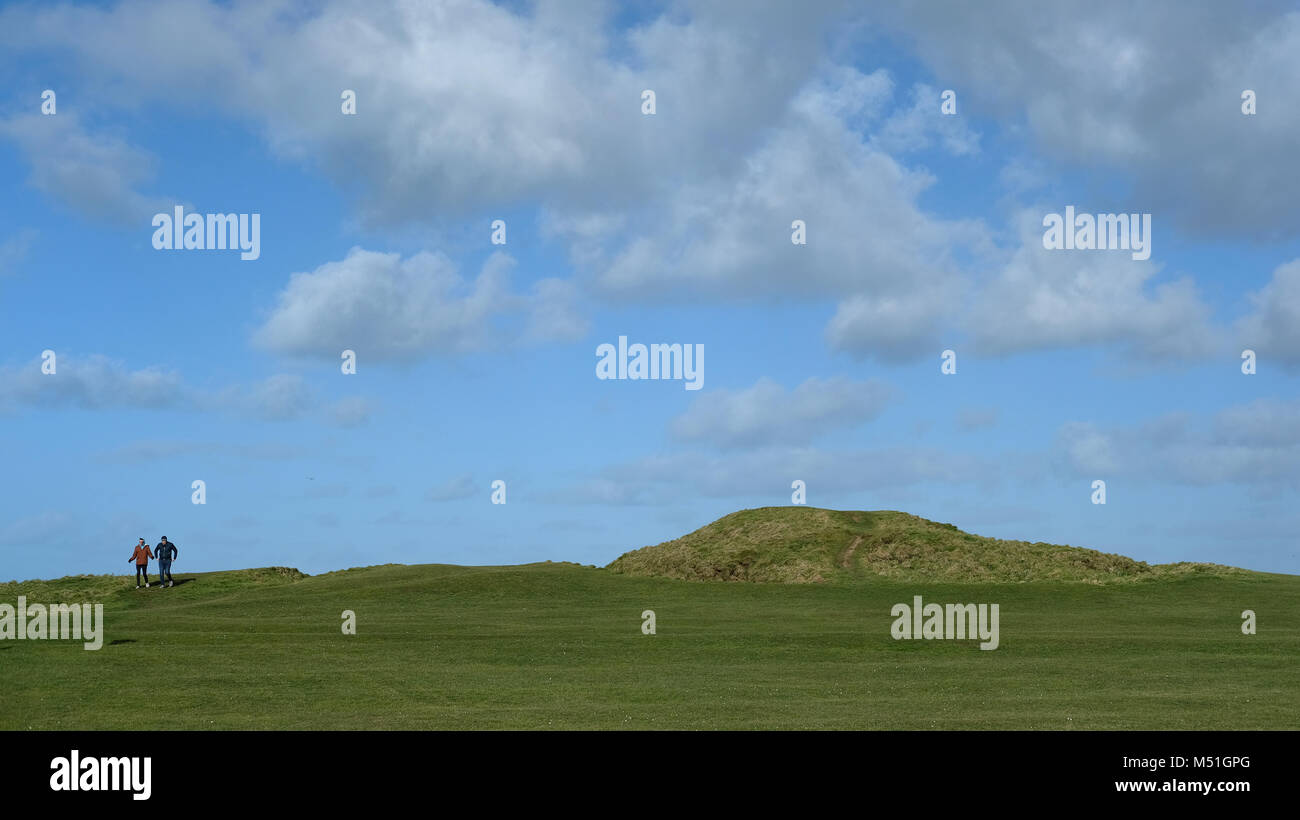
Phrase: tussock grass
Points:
(811, 545)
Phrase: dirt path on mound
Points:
(847, 555)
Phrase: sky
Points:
(921, 148)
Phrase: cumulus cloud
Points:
(697, 201)
(388, 308)
(768, 414)
(461, 103)
(1044, 299)
(921, 126)
(554, 314)
(95, 175)
(1150, 89)
(98, 382)
(730, 236)
(1254, 443)
(1272, 329)
(894, 327)
(281, 397)
(94, 382)
(1086, 448)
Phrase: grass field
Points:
(559, 646)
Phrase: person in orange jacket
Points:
(141, 558)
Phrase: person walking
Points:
(165, 552)
(141, 558)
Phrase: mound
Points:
(811, 545)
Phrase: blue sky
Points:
(476, 362)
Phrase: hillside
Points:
(105, 588)
(812, 545)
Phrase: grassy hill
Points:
(811, 545)
(559, 646)
(100, 588)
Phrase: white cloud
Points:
(894, 327)
(93, 382)
(1088, 449)
(653, 207)
(93, 174)
(1255, 443)
(388, 308)
(461, 103)
(97, 382)
(767, 414)
(923, 125)
(1044, 299)
(729, 236)
(756, 126)
(281, 397)
(1151, 89)
(1272, 329)
(554, 314)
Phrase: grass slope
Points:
(560, 646)
(812, 545)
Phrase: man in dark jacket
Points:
(165, 552)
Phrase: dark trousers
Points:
(141, 571)
(164, 571)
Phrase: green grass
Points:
(559, 646)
